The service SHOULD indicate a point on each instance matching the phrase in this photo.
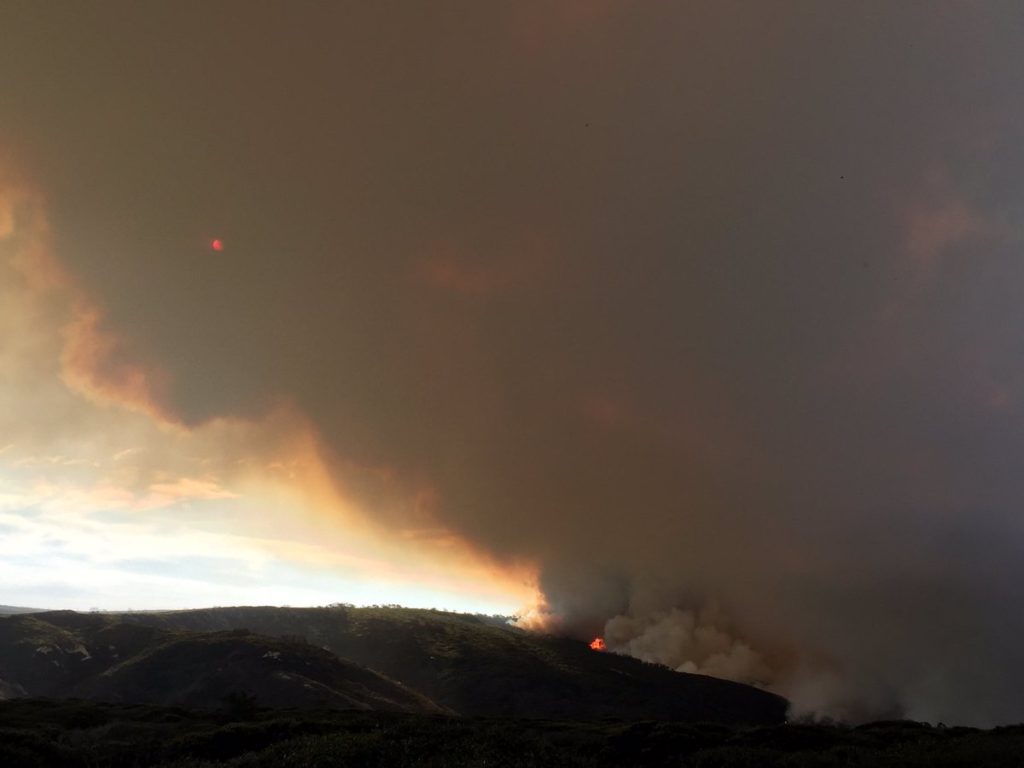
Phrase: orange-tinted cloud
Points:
(476, 276)
(933, 228)
(93, 358)
(95, 364)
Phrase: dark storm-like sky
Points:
(684, 302)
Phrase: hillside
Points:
(94, 656)
(10, 610)
(474, 666)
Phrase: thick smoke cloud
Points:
(692, 305)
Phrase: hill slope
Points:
(61, 654)
(475, 667)
(8, 610)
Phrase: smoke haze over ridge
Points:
(710, 311)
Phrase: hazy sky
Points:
(705, 318)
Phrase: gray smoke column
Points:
(713, 311)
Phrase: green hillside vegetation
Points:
(98, 657)
(80, 734)
(476, 666)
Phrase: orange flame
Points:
(597, 644)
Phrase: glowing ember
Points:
(217, 245)
(597, 644)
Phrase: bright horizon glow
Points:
(57, 554)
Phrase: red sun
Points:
(217, 245)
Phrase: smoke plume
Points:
(709, 312)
